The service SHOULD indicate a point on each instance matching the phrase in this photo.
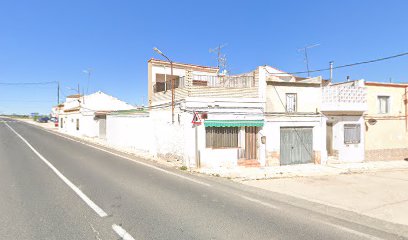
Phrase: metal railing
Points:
(243, 81)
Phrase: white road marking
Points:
(355, 232)
(136, 161)
(259, 202)
(85, 198)
(122, 232)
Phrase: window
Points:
(221, 137)
(77, 124)
(383, 104)
(291, 102)
(351, 133)
(164, 81)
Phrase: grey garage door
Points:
(296, 145)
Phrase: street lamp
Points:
(172, 82)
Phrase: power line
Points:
(28, 83)
(28, 101)
(347, 65)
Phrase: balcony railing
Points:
(343, 98)
(243, 81)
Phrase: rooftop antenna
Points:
(221, 58)
(88, 72)
(306, 57)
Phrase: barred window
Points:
(351, 133)
(221, 137)
(291, 102)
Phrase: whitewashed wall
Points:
(347, 152)
(152, 134)
(130, 131)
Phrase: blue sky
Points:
(57, 40)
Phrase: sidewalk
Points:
(380, 194)
(305, 170)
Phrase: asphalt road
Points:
(145, 200)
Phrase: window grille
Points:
(352, 133)
(222, 137)
(291, 102)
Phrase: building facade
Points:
(265, 117)
(386, 124)
(86, 115)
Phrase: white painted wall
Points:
(130, 131)
(88, 105)
(155, 134)
(347, 152)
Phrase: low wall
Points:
(386, 154)
(146, 133)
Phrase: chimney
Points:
(348, 78)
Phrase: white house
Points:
(293, 127)
(343, 106)
(228, 107)
(265, 117)
(86, 115)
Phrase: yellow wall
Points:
(389, 132)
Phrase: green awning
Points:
(233, 123)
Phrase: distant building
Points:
(86, 115)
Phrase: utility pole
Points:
(331, 70)
(88, 72)
(306, 57)
(58, 93)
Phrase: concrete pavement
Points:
(147, 201)
(379, 194)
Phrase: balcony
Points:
(344, 98)
(163, 86)
(239, 81)
(192, 85)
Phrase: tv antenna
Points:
(221, 58)
(306, 57)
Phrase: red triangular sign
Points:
(196, 119)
